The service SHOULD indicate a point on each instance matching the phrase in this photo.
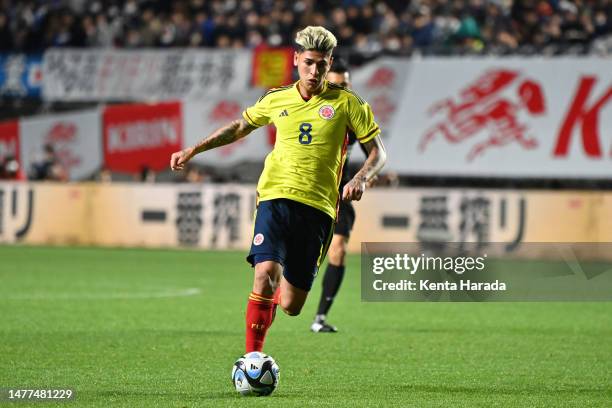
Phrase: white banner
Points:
(200, 119)
(505, 117)
(381, 84)
(92, 75)
(75, 137)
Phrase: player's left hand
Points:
(353, 190)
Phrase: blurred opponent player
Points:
(297, 192)
(338, 74)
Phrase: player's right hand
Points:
(178, 159)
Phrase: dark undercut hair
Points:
(339, 66)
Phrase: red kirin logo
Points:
(62, 135)
(383, 108)
(381, 78)
(482, 108)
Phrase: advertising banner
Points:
(75, 138)
(501, 223)
(107, 74)
(381, 83)
(9, 139)
(142, 135)
(516, 117)
(21, 75)
(132, 215)
(439, 116)
(10, 154)
(272, 67)
(434, 217)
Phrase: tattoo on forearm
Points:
(225, 135)
(366, 173)
(374, 163)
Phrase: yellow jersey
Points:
(311, 137)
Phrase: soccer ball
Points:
(255, 374)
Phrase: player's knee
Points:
(262, 279)
(266, 279)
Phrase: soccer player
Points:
(297, 192)
(338, 74)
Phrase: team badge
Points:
(327, 112)
(259, 239)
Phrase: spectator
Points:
(104, 175)
(6, 36)
(49, 167)
(194, 175)
(147, 175)
(372, 25)
(52, 168)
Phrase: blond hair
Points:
(316, 38)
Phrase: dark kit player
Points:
(334, 274)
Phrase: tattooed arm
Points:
(225, 135)
(353, 190)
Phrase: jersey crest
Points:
(327, 112)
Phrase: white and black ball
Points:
(255, 374)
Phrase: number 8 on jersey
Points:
(305, 136)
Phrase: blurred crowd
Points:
(370, 26)
(47, 167)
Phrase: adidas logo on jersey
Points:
(283, 113)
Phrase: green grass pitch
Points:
(110, 324)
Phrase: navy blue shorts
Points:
(293, 234)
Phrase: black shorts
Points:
(346, 219)
(293, 234)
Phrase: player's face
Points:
(340, 79)
(312, 67)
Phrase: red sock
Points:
(259, 316)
